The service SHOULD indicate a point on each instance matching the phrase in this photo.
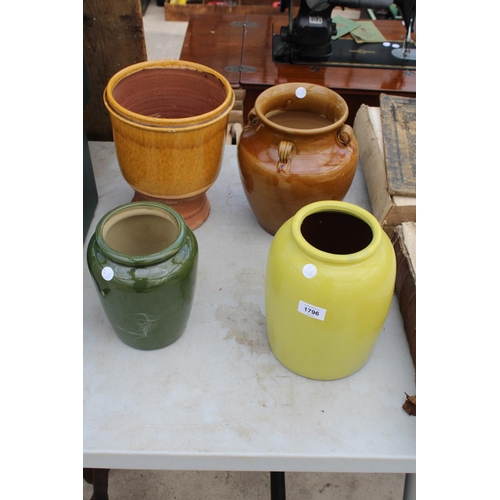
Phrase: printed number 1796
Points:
(311, 311)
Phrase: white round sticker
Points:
(386, 44)
(309, 270)
(300, 92)
(107, 273)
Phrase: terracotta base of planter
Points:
(194, 210)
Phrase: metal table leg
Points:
(99, 479)
(278, 490)
(410, 492)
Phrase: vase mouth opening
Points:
(140, 233)
(301, 108)
(169, 93)
(336, 231)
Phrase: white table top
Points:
(217, 399)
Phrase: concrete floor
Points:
(164, 40)
(202, 485)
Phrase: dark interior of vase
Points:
(336, 232)
(140, 234)
(170, 92)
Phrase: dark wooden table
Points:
(216, 40)
(240, 48)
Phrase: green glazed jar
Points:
(143, 260)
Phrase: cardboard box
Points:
(404, 243)
(390, 209)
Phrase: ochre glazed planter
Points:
(295, 150)
(169, 121)
(143, 261)
(329, 284)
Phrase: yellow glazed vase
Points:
(169, 121)
(330, 279)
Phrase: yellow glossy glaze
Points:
(354, 290)
(169, 163)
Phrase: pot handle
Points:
(286, 151)
(252, 118)
(345, 135)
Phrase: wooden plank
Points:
(399, 123)
(113, 38)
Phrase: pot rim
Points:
(144, 121)
(293, 86)
(167, 128)
(141, 260)
(341, 207)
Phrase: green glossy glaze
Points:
(147, 297)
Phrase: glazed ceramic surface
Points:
(169, 121)
(329, 283)
(143, 260)
(295, 150)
